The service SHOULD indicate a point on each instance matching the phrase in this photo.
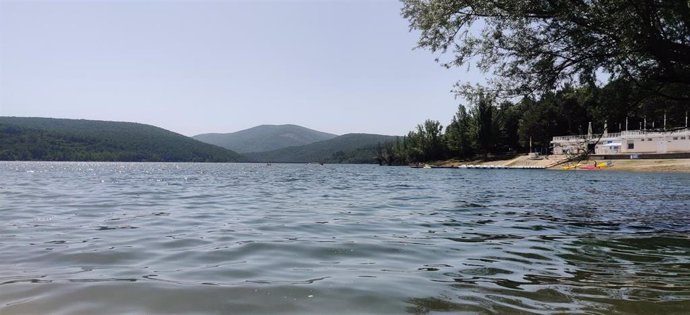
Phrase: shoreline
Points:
(642, 165)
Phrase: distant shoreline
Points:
(648, 166)
(642, 165)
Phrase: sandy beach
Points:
(652, 165)
(666, 165)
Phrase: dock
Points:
(502, 167)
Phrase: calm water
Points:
(95, 238)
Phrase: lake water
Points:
(147, 238)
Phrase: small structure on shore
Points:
(625, 142)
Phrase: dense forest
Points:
(528, 46)
(265, 138)
(552, 67)
(46, 139)
(490, 128)
(348, 148)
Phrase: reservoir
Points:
(188, 238)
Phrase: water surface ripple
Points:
(166, 238)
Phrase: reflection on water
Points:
(85, 238)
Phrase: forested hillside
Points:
(265, 138)
(349, 148)
(47, 139)
(552, 68)
(491, 127)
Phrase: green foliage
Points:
(506, 128)
(550, 53)
(265, 138)
(532, 45)
(458, 134)
(48, 139)
(484, 126)
(349, 148)
(424, 144)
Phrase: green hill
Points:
(49, 139)
(265, 138)
(349, 148)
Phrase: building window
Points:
(631, 145)
(649, 139)
(675, 138)
(643, 139)
(682, 138)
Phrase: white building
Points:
(626, 142)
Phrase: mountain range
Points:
(348, 148)
(51, 139)
(265, 138)
(297, 144)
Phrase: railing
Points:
(622, 134)
(570, 138)
(655, 133)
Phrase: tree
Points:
(385, 154)
(458, 138)
(401, 150)
(484, 125)
(433, 130)
(538, 122)
(507, 123)
(425, 144)
(539, 45)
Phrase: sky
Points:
(222, 66)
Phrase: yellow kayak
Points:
(587, 166)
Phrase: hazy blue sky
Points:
(221, 66)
